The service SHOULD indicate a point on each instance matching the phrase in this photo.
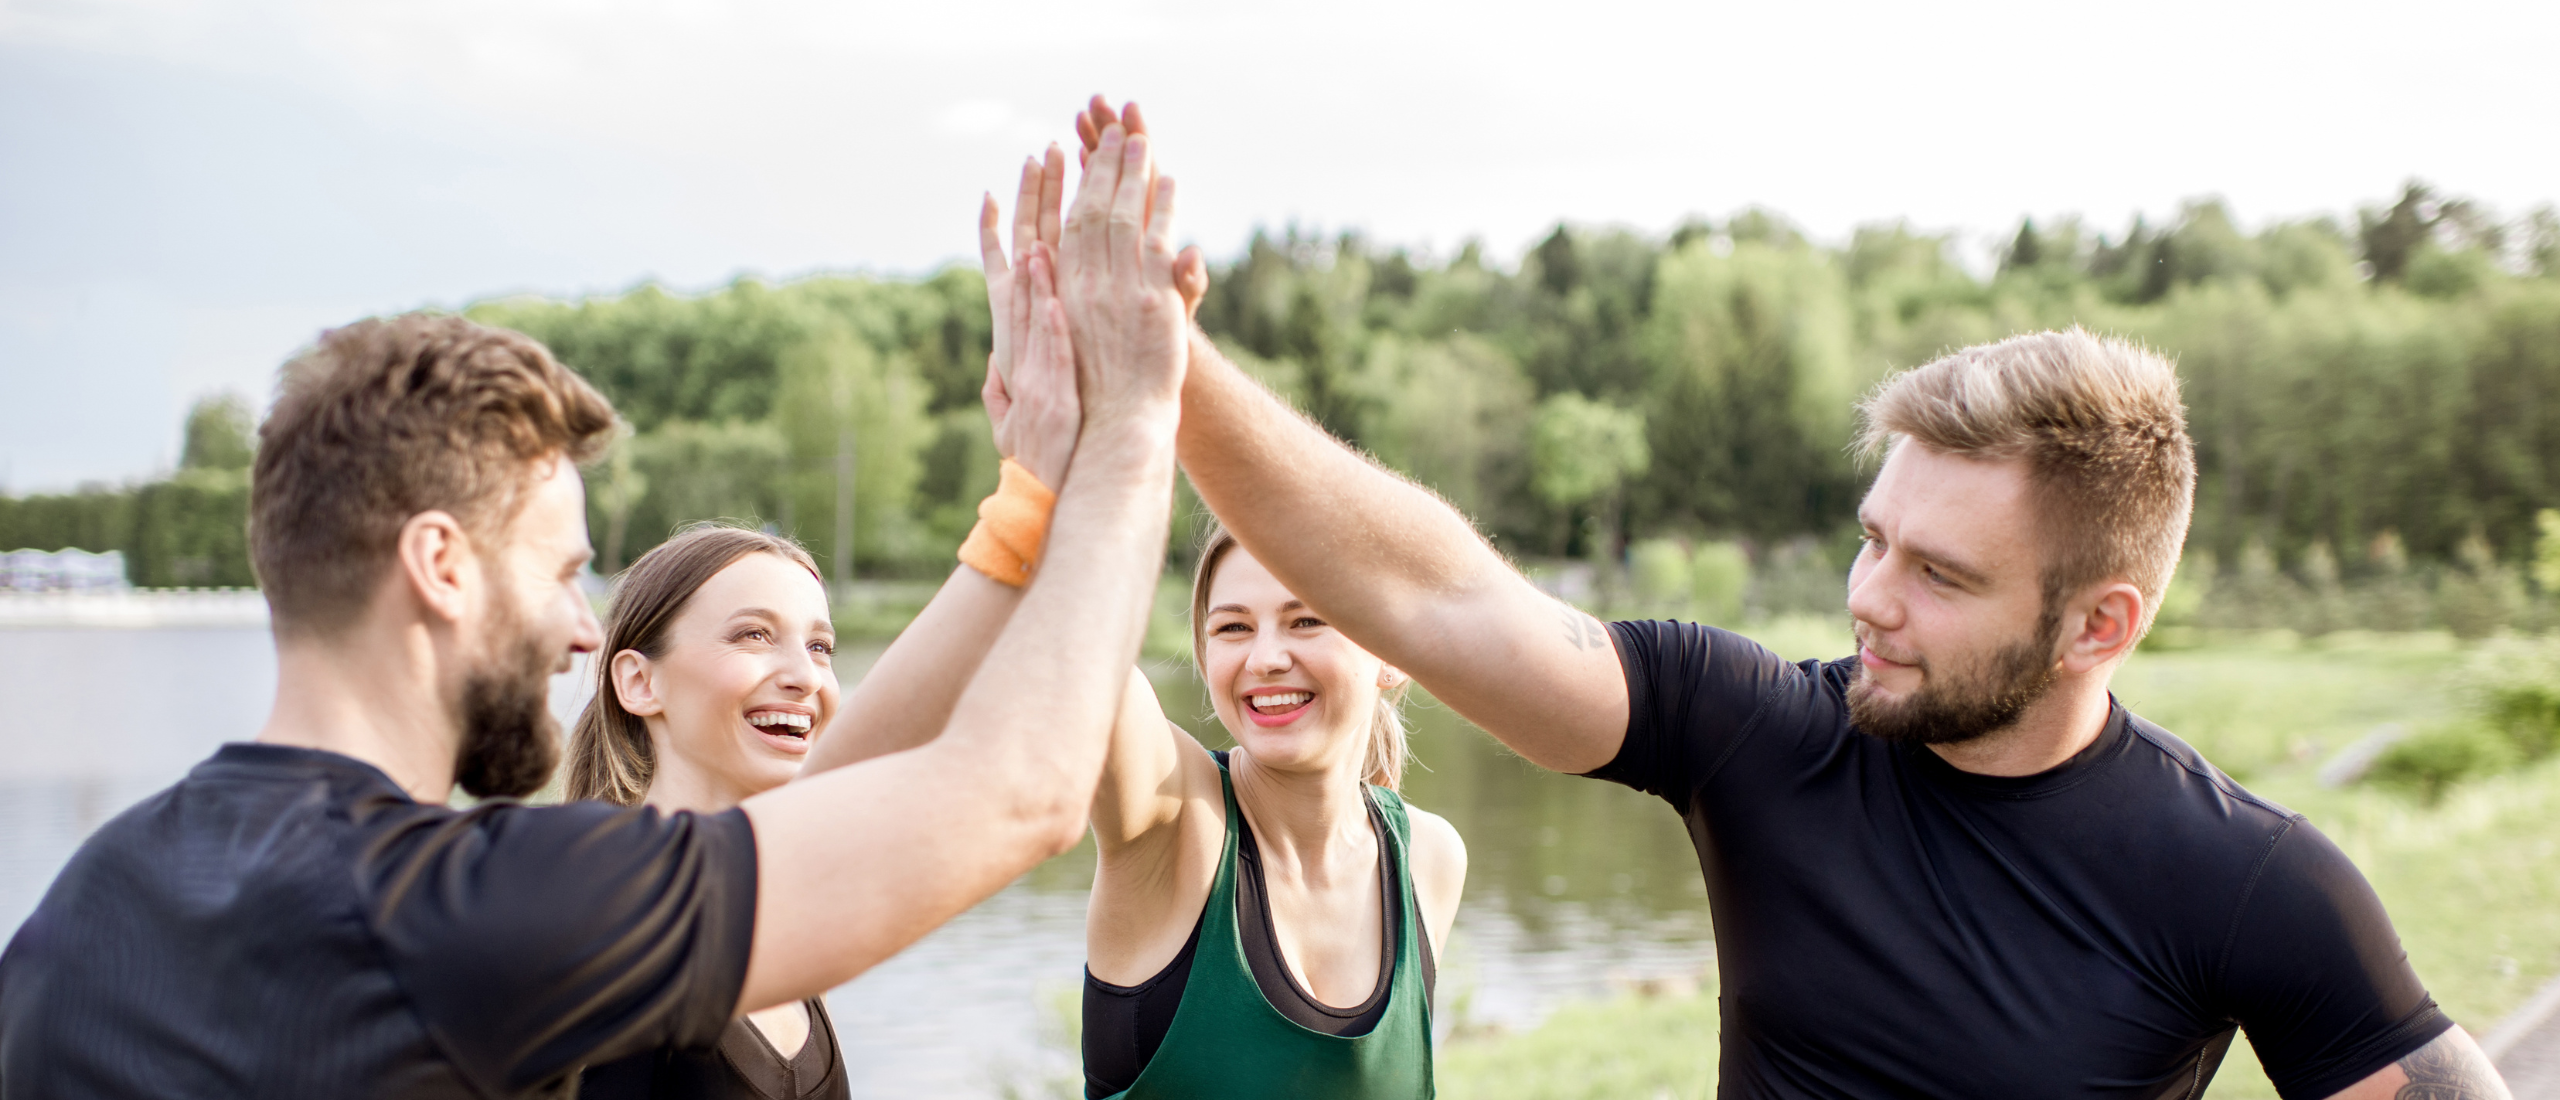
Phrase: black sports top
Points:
(744, 1066)
(1125, 1024)
(1890, 926)
(288, 922)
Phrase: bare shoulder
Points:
(1439, 853)
(2452, 1067)
(1439, 864)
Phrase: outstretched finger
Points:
(1160, 220)
(1054, 366)
(1026, 207)
(1090, 123)
(1129, 205)
(1088, 225)
(990, 247)
(1136, 124)
(1053, 190)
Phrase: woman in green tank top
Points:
(1264, 921)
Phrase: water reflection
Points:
(1574, 887)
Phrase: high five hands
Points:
(1098, 293)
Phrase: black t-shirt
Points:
(287, 922)
(1890, 926)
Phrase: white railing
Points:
(133, 609)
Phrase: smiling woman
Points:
(720, 670)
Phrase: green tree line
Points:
(2368, 396)
(188, 530)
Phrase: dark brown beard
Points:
(510, 741)
(1958, 705)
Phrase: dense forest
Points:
(2371, 399)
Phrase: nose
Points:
(1270, 655)
(589, 635)
(799, 672)
(1870, 599)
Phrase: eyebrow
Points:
(1940, 558)
(1240, 609)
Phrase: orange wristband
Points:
(1012, 523)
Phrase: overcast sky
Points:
(191, 190)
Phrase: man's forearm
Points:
(1368, 547)
(1038, 714)
(1399, 571)
(855, 864)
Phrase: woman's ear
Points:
(1389, 676)
(635, 683)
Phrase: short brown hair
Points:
(2103, 433)
(390, 417)
(1387, 752)
(610, 756)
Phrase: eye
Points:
(1231, 628)
(1934, 577)
(823, 648)
(755, 633)
(1305, 622)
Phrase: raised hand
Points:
(1035, 220)
(1190, 269)
(1126, 316)
(1037, 414)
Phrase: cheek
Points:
(713, 687)
(1222, 662)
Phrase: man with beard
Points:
(1952, 865)
(303, 916)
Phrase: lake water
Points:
(1575, 888)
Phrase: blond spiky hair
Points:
(2102, 431)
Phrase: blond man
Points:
(1951, 865)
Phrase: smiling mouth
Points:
(788, 727)
(1279, 703)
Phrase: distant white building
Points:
(62, 571)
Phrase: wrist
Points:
(1129, 433)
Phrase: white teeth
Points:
(778, 718)
(1284, 699)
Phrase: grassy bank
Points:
(2472, 881)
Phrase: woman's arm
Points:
(907, 698)
(1142, 779)
(1159, 819)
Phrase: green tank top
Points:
(1228, 1043)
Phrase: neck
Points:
(372, 694)
(1305, 818)
(2053, 729)
(680, 786)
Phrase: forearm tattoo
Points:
(2449, 1070)
(1580, 629)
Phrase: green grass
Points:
(1629, 1047)
(2472, 881)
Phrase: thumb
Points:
(1191, 279)
(999, 400)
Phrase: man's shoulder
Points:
(2191, 819)
(1718, 658)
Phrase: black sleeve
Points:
(1692, 692)
(535, 940)
(2316, 976)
